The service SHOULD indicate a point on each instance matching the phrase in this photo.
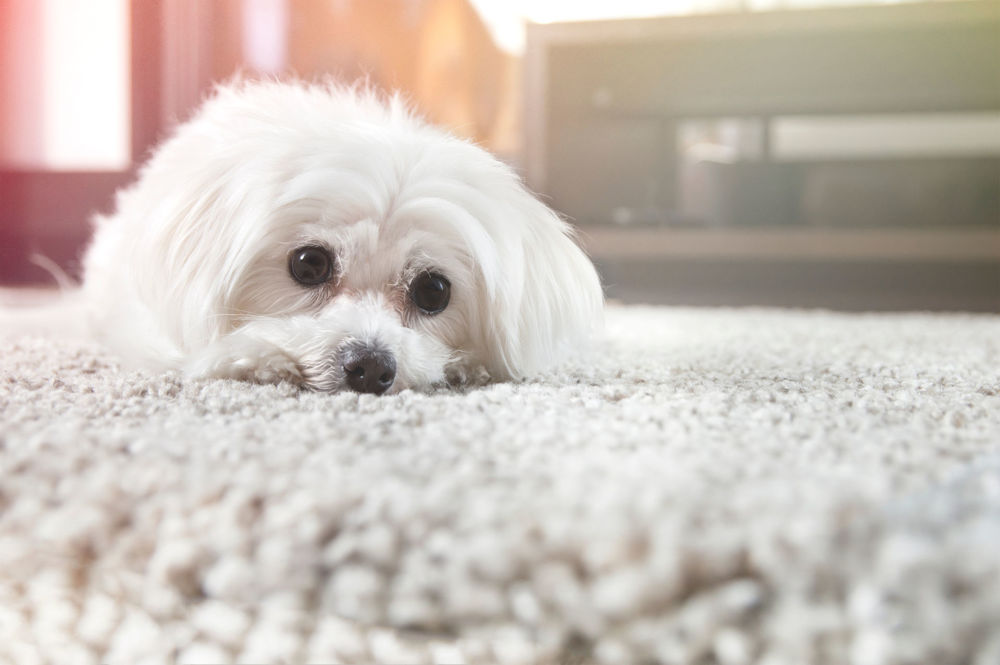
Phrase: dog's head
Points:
(374, 250)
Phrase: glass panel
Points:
(802, 138)
(707, 150)
(720, 139)
(64, 85)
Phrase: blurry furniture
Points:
(437, 52)
(844, 157)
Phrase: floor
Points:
(711, 486)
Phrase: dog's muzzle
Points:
(367, 369)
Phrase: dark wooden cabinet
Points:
(612, 106)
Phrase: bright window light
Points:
(65, 83)
(506, 18)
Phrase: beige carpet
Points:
(717, 486)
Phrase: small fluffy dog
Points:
(322, 235)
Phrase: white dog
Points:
(319, 235)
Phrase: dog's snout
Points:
(368, 370)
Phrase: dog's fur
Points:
(191, 270)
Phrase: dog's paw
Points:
(458, 375)
(257, 363)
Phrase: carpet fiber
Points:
(717, 486)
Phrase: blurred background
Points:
(711, 152)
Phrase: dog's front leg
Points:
(243, 356)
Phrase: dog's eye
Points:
(430, 292)
(311, 265)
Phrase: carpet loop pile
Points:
(710, 487)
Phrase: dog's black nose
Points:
(368, 370)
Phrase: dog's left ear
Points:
(551, 306)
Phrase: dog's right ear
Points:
(550, 301)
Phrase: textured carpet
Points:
(717, 486)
